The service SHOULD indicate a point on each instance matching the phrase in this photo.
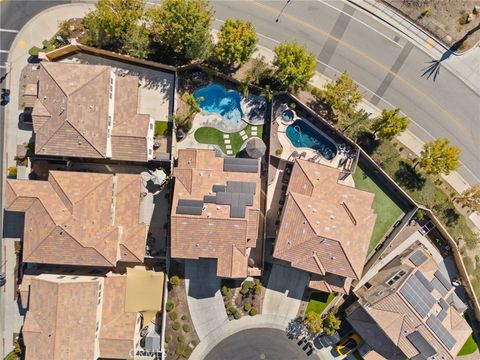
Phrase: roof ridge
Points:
(305, 172)
(86, 247)
(110, 177)
(55, 81)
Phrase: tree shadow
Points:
(408, 177)
(366, 140)
(433, 67)
(450, 216)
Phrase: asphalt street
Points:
(252, 344)
(387, 66)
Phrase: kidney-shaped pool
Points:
(216, 99)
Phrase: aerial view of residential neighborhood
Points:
(240, 179)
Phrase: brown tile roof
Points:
(384, 313)
(60, 324)
(70, 116)
(73, 219)
(213, 234)
(326, 226)
(118, 327)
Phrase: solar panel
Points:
(237, 212)
(424, 281)
(192, 203)
(418, 258)
(210, 199)
(417, 296)
(189, 210)
(240, 165)
(445, 282)
(219, 188)
(422, 345)
(443, 335)
(241, 187)
(443, 304)
(439, 286)
(442, 315)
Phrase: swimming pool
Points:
(216, 99)
(301, 134)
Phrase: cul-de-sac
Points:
(240, 180)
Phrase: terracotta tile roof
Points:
(73, 219)
(326, 226)
(214, 233)
(60, 324)
(71, 114)
(118, 327)
(384, 313)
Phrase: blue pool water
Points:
(302, 134)
(216, 99)
(287, 115)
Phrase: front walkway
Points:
(204, 299)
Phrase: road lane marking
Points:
(439, 107)
(8, 30)
(3, 51)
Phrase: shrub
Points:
(278, 152)
(184, 317)
(253, 311)
(247, 286)
(173, 316)
(426, 12)
(176, 325)
(194, 342)
(174, 280)
(12, 171)
(186, 328)
(257, 289)
(180, 350)
(181, 338)
(170, 306)
(420, 214)
(237, 315)
(247, 307)
(168, 338)
(225, 290)
(463, 20)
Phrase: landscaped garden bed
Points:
(242, 300)
(180, 335)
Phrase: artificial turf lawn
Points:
(209, 135)
(384, 206)
(469, 347)
(163, 128)
(318, 302)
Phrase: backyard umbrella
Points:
(159, 177)
(255, 148)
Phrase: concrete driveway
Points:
(204, 299)
(284, 292)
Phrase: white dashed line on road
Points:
(8, 30)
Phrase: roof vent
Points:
(197, 244)
(289, 242)
(314, 210)
(200, 173)
(332, 258)
(332, 217)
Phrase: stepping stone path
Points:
(254, 131)
(229, 147)
(229, 152)
(244, 137)
(226, 139)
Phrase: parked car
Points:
(324, 340)
(349, 344)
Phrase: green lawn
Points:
(319, 301)
(209, 135)
(386, 209)
(163, 128)
(469, 347)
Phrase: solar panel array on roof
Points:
(240, 165)
(443, 335)
(189, 207)
(439, 286)
(418, 258)
(444, 305)
(241, 187)
(219, 188)
(424, 281)
(422, 345)
(417, 296)
(210, 199)
(442, 315)
(443, 280)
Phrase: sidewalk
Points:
(464, 66)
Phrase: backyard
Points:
(387, 210)
(469, 347)
(319, 301)
(210, 135)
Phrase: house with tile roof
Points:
(60, 324)
(325, 227)
(87, 111)
(216, 211)
(81, 219)
(409, 309)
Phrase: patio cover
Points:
(144, 292)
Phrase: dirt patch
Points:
(447, 21)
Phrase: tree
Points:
(439, 157)
(259, 71)
(390, 124)
(294, 65)
(314, 322)
(136, 42)
(112, 22)
(331, 323)
(470, 198)
(267, 93)
(236, 42)
(355, 124)
(182, 28)
(174, 280)
(343, 95)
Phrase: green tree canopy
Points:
(354, 124)
(182, 28)
(390, 124)
(439, 157)
(294, 65)
(236, 42)
(314, 322)
(470, 198)
(331, 323)
(112, 22)
(343, 95)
